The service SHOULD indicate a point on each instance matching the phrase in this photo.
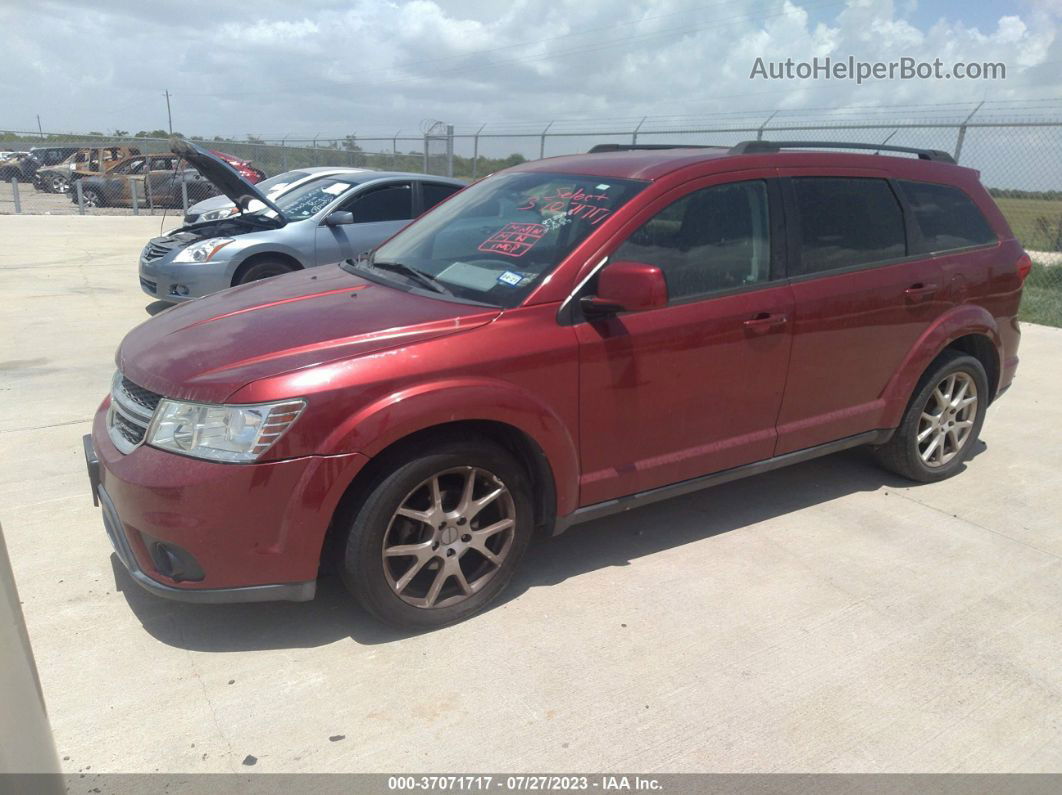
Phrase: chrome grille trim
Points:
(132, 409)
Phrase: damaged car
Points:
(321, 221)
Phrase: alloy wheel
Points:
(449, 537)
(60, 184)
(947, 419)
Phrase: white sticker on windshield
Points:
(510, 278)
(602, 187)
(336, 188)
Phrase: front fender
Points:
(385, 421)
(957, 322)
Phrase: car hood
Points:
(239, 191)
(207, 349)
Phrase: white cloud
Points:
(331, 68)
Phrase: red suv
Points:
(560, 341)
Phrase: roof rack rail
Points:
(599, 148)
(755, 147)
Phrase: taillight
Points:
(1024, 265)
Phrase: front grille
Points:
(154, 251)
(132, 408)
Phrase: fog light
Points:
(179, 289)
(172, 561)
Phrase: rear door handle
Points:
(763, 322)
(920, 291)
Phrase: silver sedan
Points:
(320, 221)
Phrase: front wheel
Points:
(439, 536)
(92, 197)
(942, 421)
(263, 269)
(59, 184)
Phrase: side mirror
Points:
(339, 218)
(626, 287)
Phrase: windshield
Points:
(312, 197)
(497, 239)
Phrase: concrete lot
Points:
(828, 617)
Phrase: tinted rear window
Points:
(846, 222)
(946, 216)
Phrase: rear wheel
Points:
(439, 536)
(942, 422)
(263, 269)
(59, 184)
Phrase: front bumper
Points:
(178, 282)
(253, 532)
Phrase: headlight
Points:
(203, 251)
(217, 215)
(221, 433)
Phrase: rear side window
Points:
(432, 193)
(710, 240)
(847, 221)
(389, 203)
(946, 217)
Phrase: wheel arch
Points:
(968, 328)
(524, 448)
(258, 256)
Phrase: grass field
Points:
(1042, 299)
(1023, 216)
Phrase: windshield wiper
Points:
(419, 276)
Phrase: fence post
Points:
(284, 151)
(449, 150)
(475, 150)
(394, 152)
(759, 132)
(542, 147)
(634, 135)
(425, 153)
(184, 197)
(315, 151)
(14, 194)
(962, 131)
(133, 198)
(80, 197)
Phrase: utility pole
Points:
(169, 116)
(41, 131)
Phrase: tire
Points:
(58, 184)
(952, 376)
(92, 197)
(263, 269)
(398, 589)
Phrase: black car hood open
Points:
(239, 191)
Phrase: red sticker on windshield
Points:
(513, 240)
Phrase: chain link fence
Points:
(1018, 152)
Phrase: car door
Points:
(862, 300)
(694, 387)
(379, 210)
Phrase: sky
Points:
(365, 67)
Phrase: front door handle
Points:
(763, 322)
(920, 291)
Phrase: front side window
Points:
(497, 239)
(710, 240)
(311, 197)
(385, 203)
(947, 218)
(846, 222)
